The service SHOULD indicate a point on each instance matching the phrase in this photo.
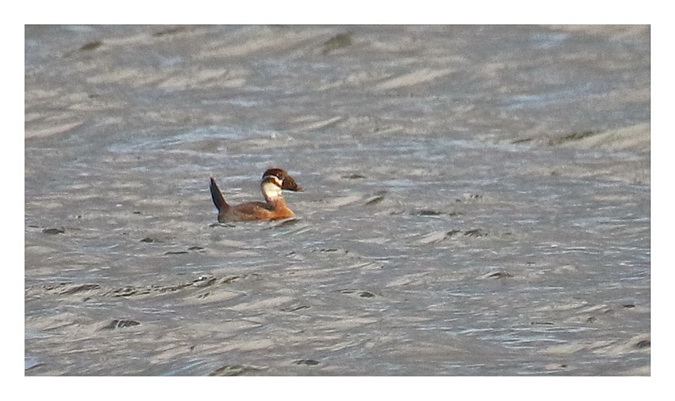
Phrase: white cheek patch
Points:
(271, 189)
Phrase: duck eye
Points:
(275, 179)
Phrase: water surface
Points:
(477, 200)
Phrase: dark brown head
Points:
(287, 182)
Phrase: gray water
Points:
(477, 200)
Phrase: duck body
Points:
(273, 182)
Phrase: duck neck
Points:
(272, 193)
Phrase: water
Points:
(477, 201)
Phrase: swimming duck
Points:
(273, 181)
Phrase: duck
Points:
(273, 181)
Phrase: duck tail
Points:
(217, 197)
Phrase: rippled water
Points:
(477, 201)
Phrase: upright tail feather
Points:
(217, 196)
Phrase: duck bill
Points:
(289, 184)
